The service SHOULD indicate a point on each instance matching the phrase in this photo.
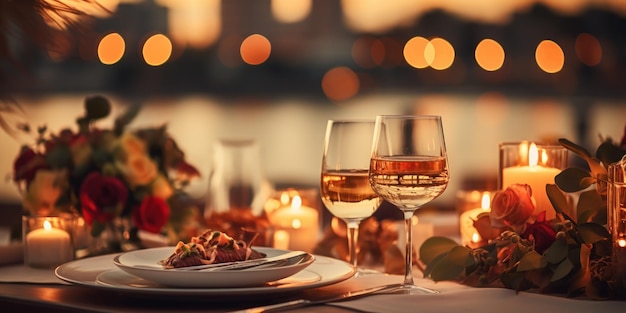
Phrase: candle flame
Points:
(486, 201)
(533, 155)
(475, 237)
(621, 242)
(296, 223)
(296, 203)
(47, 225)
(284, 198)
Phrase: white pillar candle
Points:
(536, 176)
(48, 246)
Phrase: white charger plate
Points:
(100, 273)
(145, 264)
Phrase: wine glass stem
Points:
(408, 265)
(353, 234)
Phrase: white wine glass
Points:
(345, 188)
(409, 168)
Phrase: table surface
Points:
(51, 297)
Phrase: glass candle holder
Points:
(295, 218)
(535, 165)
(48, 241)
(616, 206)
(470, 205)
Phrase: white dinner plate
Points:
(99, 272)
(145, 264)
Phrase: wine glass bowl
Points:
(345, 188)
(409, 168)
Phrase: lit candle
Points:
(536, 176)
(48, 246)
(469, 234)
(298, 223)
(281, 240)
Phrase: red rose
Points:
(152, 214)
(102, 197)
(512, 207)
(27, 164)
(541, 232)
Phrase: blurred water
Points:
(290, 130)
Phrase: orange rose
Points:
(512, 207)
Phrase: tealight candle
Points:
(534, 172)
(297, 225)
(47, 246)
(469, 234)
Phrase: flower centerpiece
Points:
(568, 255)
(121, 181)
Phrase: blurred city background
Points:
(276, 70)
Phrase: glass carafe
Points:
(238, 191)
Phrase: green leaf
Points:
(557, 198)
(562, 270)
(430, 267)
(608, 152)
(531, 261)
(589, 204)
(451, 266)
(592, 232)
(556, 252)
(435, 246)
(59, 157)
(123, 120)
(572, 179)
(571, 146)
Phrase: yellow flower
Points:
(133, 161)
(132, 145)
(44, 191)
(138, 170)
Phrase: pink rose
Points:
(152, 214)
(102, 198)
(512, 207)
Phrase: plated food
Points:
(211, 247)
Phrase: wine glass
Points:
(409, 168)
(345, 187)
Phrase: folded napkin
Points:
(459, 298)
(21, 273)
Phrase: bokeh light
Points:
(439, 53)
(588, 49)
(549, 56)
(111, 48)
(489, 55)
(255, 49)
(291, 11)
(157, 50)
(414, 52)
(368, 52)
(340, 83)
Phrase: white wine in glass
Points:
(345, 187)
(409, 168)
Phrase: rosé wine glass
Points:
(409, 168)
(345, 188)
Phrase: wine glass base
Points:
(414, 289)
